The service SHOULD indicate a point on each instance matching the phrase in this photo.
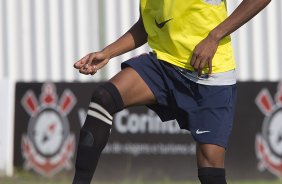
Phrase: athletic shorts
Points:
(206, 111)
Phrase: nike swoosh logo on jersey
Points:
(162, 24)
(201, 132)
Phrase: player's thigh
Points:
(132, 88)
(210, 155)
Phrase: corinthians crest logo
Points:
(269, 141)
(48, 145)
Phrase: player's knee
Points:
(210, 156)
(105, 101)
(210, 162)
(108, 97)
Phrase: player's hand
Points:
(203, 55)
(91, 63)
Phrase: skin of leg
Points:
(209, 155)
(132, 88)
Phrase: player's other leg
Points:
(210, 161)
(215, 114)
(127, 88)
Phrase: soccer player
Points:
(189, 76)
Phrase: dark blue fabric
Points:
(206, 111)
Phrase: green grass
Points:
(30, 178)
(67, 181)
(36, 180)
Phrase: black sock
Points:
(95, 132)
(209, 175)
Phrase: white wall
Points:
(41, 39)
(6, 127)
(258, 44)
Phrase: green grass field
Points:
(36, 181)
(22, 177)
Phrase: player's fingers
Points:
(202, 65)
(83, 71)
(91, 58)
(93, 70)
(87, 66)
(199, 70)
(79, 64)
(88, 69)
(210, 66)
(197, 63)
(193, 60)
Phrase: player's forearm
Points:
(242, 14)
(132, 39)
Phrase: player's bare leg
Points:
(127, 88)
(210, 161)
(133, 89)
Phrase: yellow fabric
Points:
(188, 22)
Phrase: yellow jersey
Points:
(175, 27)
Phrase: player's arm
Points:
(134, 38)
(205, 50)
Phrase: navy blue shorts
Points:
(206, 111)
